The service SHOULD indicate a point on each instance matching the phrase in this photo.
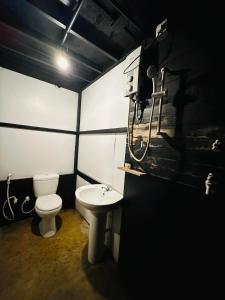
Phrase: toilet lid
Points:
(48, 202)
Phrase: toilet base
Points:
(47, 227)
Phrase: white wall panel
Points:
(104, 106)
(25, 152)
(103, 103)
(99, 157)
(29, 101)
(96, 156)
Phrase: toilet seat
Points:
(48, 202)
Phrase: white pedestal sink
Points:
(99, 200)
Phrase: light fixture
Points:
(62, 61)
(65, 2)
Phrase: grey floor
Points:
(32, 267)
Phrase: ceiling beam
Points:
(110, 15)
(122, 11)
(78, 58)
(10, 61)
(74, 33)
(27, 56)
(18, 42)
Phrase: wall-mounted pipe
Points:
(7, 201)
(75, 15)
(151, 73)
(160, 94)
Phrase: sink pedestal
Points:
(98, 199)
(96, 237)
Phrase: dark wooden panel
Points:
(172, 232)
(192, 116)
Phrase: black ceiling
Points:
(103, 33)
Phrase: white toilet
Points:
(48, 204)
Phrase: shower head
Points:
(152, 71)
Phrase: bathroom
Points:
(122, 102)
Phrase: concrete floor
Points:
(56, 268)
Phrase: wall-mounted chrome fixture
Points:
(132, 92)
(217, 145)
(106, 188)
(8, 201)
(209, 183)
(138, 88)
(160, 94)
(151, 73)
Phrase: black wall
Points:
(171, 231)
(24, 187)
(170, 237)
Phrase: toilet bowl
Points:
(47, 207)
(48, 204)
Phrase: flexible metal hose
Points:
(22, 207)
(9, 204)
(149, 128)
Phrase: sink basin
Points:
(99, 201)
(95, 198)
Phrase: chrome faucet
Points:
(106, 188)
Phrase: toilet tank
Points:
(45, 184)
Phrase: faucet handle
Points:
(216, 145)
(107, 186)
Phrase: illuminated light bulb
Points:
(62, 62)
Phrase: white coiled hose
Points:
(22, 206)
